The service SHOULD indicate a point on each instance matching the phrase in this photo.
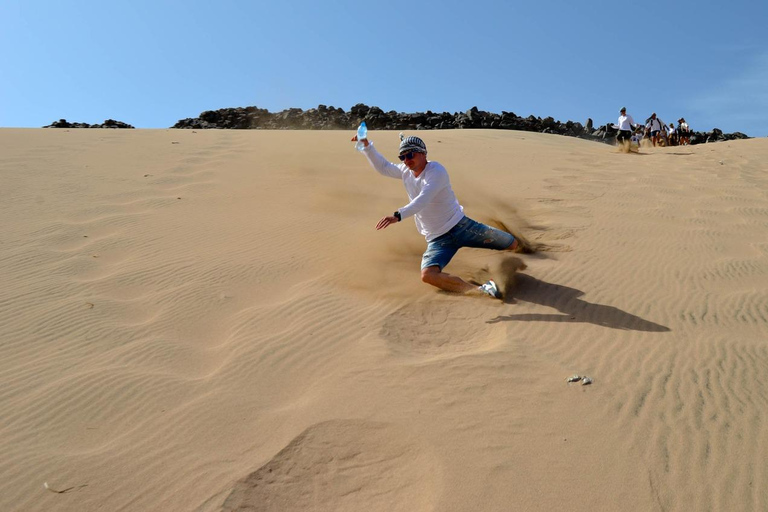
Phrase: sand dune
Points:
(209, 321)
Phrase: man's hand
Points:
(386, 221)
(364, 141)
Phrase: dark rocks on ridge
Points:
(331, 118)
(109, 123)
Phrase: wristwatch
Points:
(397, 214)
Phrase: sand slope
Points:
(208, 321)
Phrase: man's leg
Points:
(467, 233)
(435, 277)
(450, 283)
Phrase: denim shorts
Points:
(467, 233)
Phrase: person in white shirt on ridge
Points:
(683, 131)
(671, 134)
(655, 125)
(626, 123)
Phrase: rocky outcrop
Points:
(109, 123)
(716, 135)
(331, 118)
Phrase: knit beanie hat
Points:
(412, 144)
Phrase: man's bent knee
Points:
(429, 274)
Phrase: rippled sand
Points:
(209, 321)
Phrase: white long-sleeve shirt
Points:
(655, 124)
(625, 123)
(433, 205)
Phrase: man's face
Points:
(413, 160)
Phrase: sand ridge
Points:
(207, 320)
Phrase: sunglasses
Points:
(408, 156)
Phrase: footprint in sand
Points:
(452, 325)
(341, 465)
(439, 327)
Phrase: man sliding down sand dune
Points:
(438, 215)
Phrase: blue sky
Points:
(151, 63)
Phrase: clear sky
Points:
(151, 63)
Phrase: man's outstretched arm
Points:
(378, 162)
(386, 221)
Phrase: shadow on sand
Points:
(566, 301)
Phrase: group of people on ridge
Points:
(654, 130)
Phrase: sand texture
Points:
(208, 321)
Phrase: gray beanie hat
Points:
(412, 144)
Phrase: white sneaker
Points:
(491, 289)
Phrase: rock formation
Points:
(331, 118)
(109, 123)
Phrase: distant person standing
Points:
(626, 123)
(671, 134)
(655, 126)
(683, 131)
